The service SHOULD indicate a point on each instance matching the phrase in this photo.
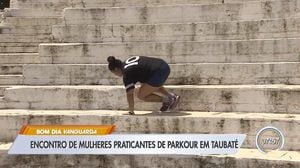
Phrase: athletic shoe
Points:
(176, 99)
(166, 105)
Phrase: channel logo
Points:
(269, 138)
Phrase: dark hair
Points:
(114, 63)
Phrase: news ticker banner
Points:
(98, 139)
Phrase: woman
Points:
(151, 73)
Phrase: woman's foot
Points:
(165, 106)
(176, 99)
(171, 103)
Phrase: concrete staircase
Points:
(235, 64)
(20, 36)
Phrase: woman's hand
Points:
(131, 113)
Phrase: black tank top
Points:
(139, 69)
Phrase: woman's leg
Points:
(146, 93)
(163, 91)
(167, 97)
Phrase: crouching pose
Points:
(151, 73)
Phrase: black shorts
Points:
(160, 76)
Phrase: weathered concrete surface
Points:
(18, 47)
(2, 89)
(11, 80)
(10, 74)
(2, 103)
(20, 38)
(28, 12)
(267, 50)
(109, 3)
(41, 4)
(183, 13)
(181, 74)
(246, 158)
(30, 21)
(11, 69)
(260, 29)
(25, 30)
(220, 98)
(16, 58)
(1, 16)
(153, 122)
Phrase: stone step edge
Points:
(12, 53)
(120, 113)
(165, 5)
(179, 23)
(61, 18)
(5, 23)
(153, 3)
(286, 156)
(18, 65)
(11, 75)
(19, 54)
(179, 63)
(123, 7)
(271, 86)
(164, 42)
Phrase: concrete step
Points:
(29, 12)
(149, 122)
(2, 93)
(181, 74)
(219, 98)
(11, 80)
(246, 158)
(30, 21)
(110, 3)
(2, 90)
(183, 13)
(16, 58)
(2, 103)
(37, 4)
(21, 38)
(262, 50)
(11, 69)
(259, 29)
(18, 47)
(30, 30)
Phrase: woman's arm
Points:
(130, 100)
